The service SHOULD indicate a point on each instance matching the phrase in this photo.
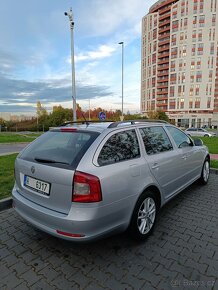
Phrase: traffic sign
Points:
(102, 116)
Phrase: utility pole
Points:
(70, 16)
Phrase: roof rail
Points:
(133, 122)
(83, 122)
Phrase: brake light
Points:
(68, 129)
(86, 188)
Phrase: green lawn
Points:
(6, 175)
(214, 164)
(16, 137)
(211, 143)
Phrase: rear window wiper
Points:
(42, 160)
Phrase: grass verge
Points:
(14, 138)
(214, 164)
(6, 175)
(211, 143)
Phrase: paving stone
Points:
(42, 285)
(10, 281)
(5, 271)
(30, 277)
(183, 249)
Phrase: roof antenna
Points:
(86, 122)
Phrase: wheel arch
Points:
(156, 191)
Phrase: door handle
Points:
(155, 165)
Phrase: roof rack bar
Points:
(133, 122)
(83, 122)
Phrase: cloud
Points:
(102, 18)
(22, 92)
(102, 52)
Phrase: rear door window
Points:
(155, 140)
(119, 147)
(59, 148)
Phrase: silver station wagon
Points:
(84, 181)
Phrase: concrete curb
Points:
(6, 203)
(4, 154)
(12, 143)
(214, 171)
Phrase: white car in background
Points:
(200, 132)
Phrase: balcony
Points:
(162, 55)
(167, 41)
(165, 73)
(162, 98)
(163, 48)
(159, 86)
(162, 61)
(164, 35)
(167, 15)
(164, 29)
(163, 80)
(166, 22)
(163, 67)
(165, 10)
(164, 92)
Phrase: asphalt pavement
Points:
(6, 149)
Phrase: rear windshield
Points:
(62, 149)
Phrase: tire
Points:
(205, 173)
(206, 135)
(144, 216)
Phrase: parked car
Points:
(85, 181)
(200, 132)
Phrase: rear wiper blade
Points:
(42, 160)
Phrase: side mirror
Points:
(198, 142)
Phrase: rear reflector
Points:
(86, 188)
(70, 235)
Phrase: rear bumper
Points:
(89, 222)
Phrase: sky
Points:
(35, 54)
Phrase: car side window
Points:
(180, 138)
(119, 147)
(155, 140)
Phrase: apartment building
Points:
(179, 67)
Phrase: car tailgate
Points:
(54, 184)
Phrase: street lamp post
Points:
(70, 16)
(122, 43)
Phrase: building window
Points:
(194, 21)
(198, 63)
(200, 35)
(201, 20)
(197, 87)
(193, 49)
(212, 48)
(191, 90)
(213, 19)
(210, 76)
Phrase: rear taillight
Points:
(86, 188)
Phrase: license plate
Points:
(37, 185)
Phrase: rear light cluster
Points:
(86, 188)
